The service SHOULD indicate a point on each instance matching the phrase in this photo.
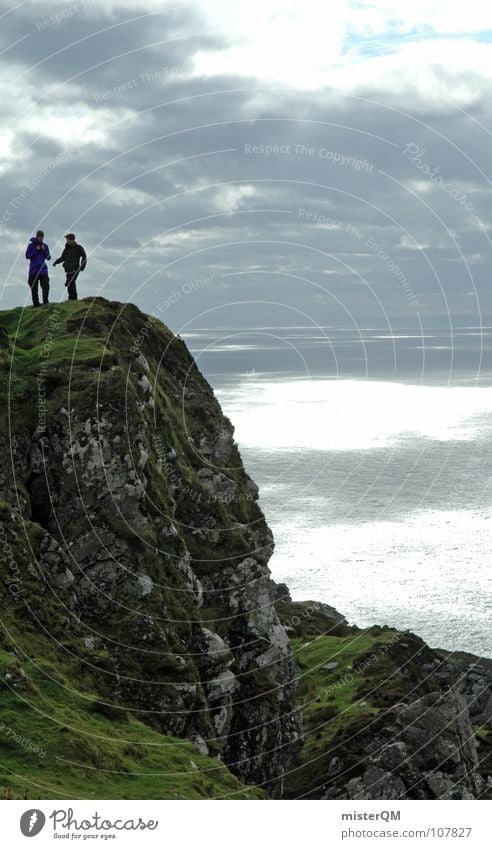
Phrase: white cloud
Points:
(123, 196)
(311, 44)
(188, 239)
(435, 71)
(229, 198)
(288, 41)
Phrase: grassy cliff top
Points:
(91, 334)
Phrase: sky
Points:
(324, 162)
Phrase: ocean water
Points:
(376, 479)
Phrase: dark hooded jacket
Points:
(74, 258)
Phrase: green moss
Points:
(331, 677)
(483, 732)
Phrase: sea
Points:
(372, 451)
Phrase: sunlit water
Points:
(379, 495)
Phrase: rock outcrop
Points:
(423, 750)
(386, 716)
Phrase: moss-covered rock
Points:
(140, 532)
(385, 716)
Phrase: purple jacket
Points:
(38, 259)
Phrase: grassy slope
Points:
(84, 754)
(330, 699)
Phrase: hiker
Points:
(38, 252)
(74, 259)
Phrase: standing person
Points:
(74, 259)
(37, 253)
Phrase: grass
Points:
(55, 744)
(330, 698)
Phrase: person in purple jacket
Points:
(37, 253)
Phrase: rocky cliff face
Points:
(422, 750)
(151, 565)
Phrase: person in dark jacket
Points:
(74, 260)
(37, 253)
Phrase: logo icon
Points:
(32, 822)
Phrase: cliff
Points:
(145, 651)
(139, 553)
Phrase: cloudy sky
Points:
(239, 164)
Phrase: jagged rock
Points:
(431, 754)
(143, 363)
(176, 707)
(145, 584)
(252, 488)
(281, 592)
(218, 484)
(64, 578)
(222, 447)
(200, 744)
(473, 677)
(258, 642)
(145, 384)
(215, 651)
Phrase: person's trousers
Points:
(71, 284)
(34, 280)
